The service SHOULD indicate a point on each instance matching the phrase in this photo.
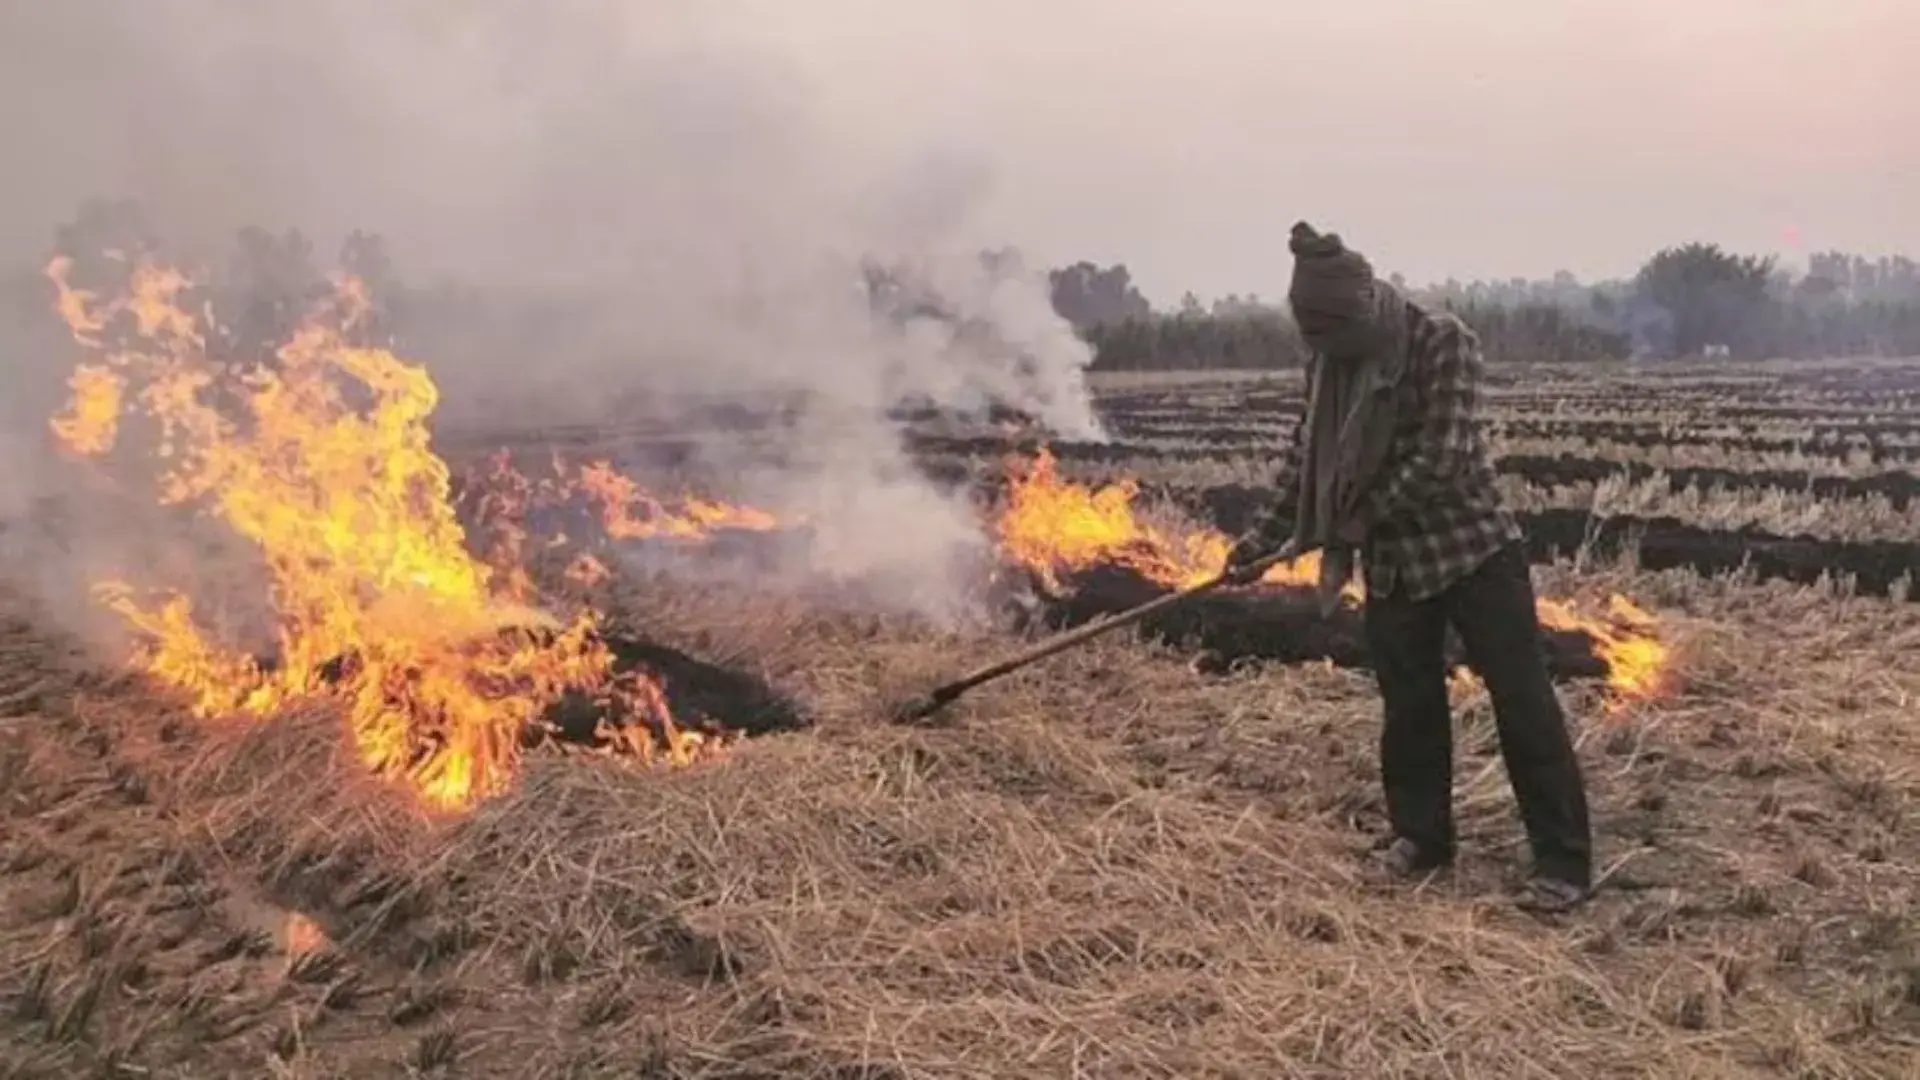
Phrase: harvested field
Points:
(1564, 468)
(1656, 543)
(1137, 860)
(1724, 438)
(1769, 533)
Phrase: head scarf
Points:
(1357, 327)
(1343, 311)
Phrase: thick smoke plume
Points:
(600, 211)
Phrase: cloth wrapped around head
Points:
(1332, 286)
(1342, 310)
(1357, 327)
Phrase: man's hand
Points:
(1252, 554)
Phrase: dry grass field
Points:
(1136, 860)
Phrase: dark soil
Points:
(727, 698)
(1272, 624)
(1665, 543)
(1662, 543)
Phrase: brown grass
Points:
(1111, 867)
(1779, 511)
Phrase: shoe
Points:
(1552, 896)
(1402, 860)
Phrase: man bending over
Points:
(1389, 463)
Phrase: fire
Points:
(1638, 662)
(1055, 527)
(301, 936)
(587, 571)
(91, 423)
(500, 500)
(322, 462)
(1464, 686)
(628, 513)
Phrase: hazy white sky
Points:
(1465, 137)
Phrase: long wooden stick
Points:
(944, 694)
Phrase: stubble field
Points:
(1138, 860)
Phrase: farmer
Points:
(1388, 462)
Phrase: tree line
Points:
(1690, 300)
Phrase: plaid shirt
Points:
(1434, 514)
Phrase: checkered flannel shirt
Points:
(1433, 514)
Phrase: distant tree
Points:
(1712, 296)
(365, 256)
(268, 286)
(1536, 332)
(104, 241)
(103, 226)
(1258, 340)
(1233, 305)
(1087, 295)
(1683, 301)
(1815, 288)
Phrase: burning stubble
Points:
(320, 463)
(596, 209)
(1056, 528)
(429, 638)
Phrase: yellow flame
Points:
(77, 307)
(1055, 527)
(628, 513)
(1639, 664)
(301, 936)
(322, 462)
(92, 419)
(587, 571)
(1463, 686)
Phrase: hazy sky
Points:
(1466, 138)
(1471, 137)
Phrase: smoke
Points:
(640, 202)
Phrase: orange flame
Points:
(587, 571)
(92, 422)
(434, 654)
(499, 499)
(1055, 527)
(628, 513)
(1639, 664)
(301, 936)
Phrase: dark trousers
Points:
(1492, 610)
